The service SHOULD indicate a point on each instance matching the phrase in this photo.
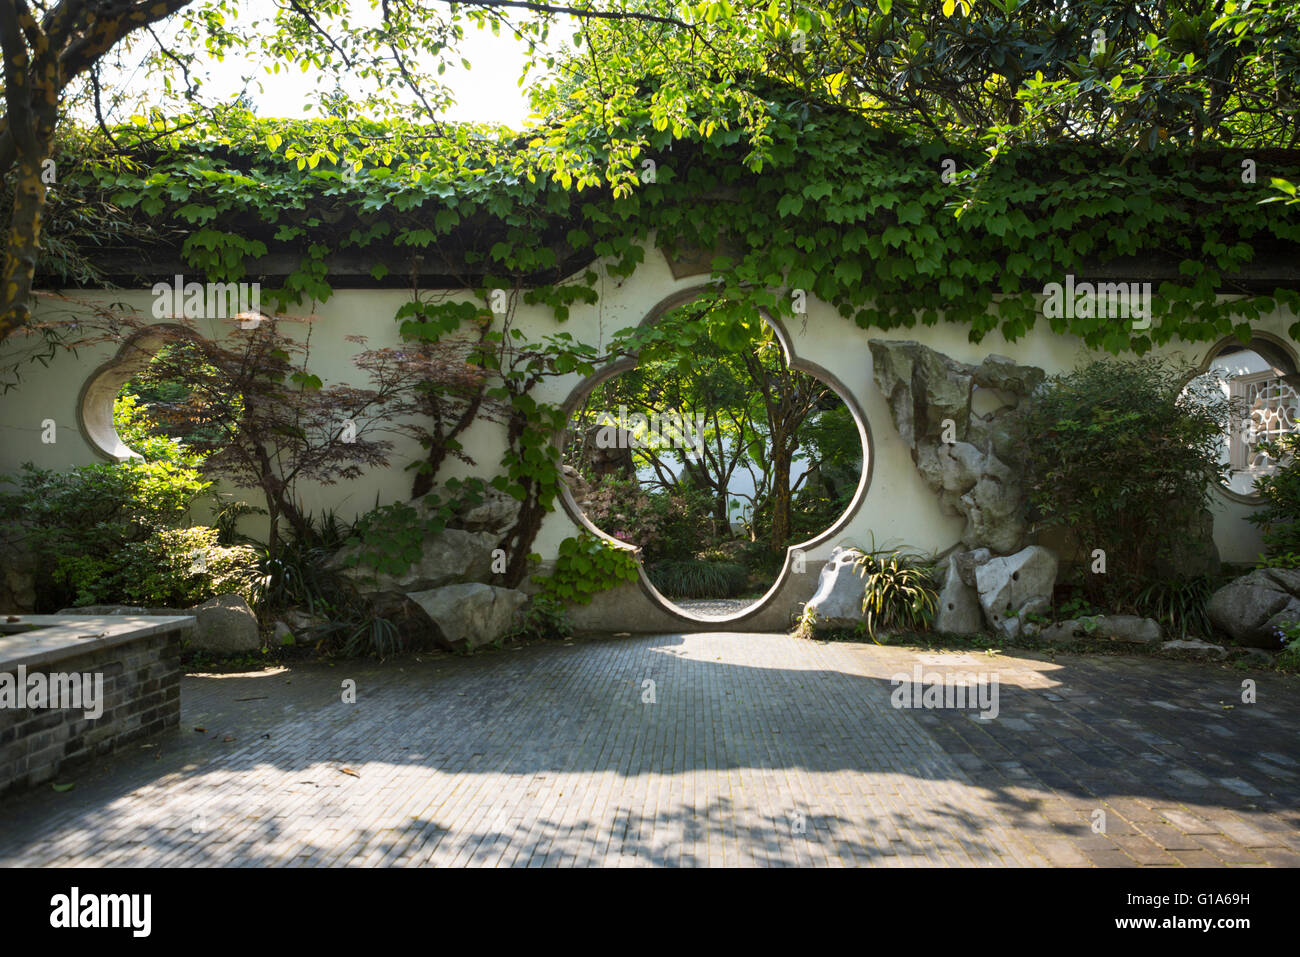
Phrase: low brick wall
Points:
(139, 661)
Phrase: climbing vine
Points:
(890, 231)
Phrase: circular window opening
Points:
(1260, 382)
(170, 398)
(159, 388)
(713, 455)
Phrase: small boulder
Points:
(225, 625)
(1252, 608)
(1196, 647)
(959, 611)
(1115, 627)
(1016, 586)
(467, 616)
(449, 557)
(837, 603)
(1129, 628)
(496, 512)
(301, 622)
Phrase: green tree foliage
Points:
(104, 533)
(1279, 519)
(1121, 456)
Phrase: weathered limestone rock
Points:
(1253, 607)
(225, 625)
(967, 562)
(301, 622)
(1115, 627)
(448, 557)
(972, 462)
(1013, 587)
(468, 616)
(837, 602)
(959, 611)
(495, 513)
(578, 486)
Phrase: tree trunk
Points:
(781, 522)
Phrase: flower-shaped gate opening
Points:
(716, 453)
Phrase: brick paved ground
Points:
(548, 755)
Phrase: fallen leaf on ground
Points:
(350, 772)
(201, 730)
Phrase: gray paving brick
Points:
(546, 756)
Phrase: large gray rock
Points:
(837, 603)
(1253, 607)
(468, 616)
(496, 512)
(1115, 627)
(974, 469)
(1015, 586)
(448, 557)
(1196, 647)
(959, 611)
(225, 625)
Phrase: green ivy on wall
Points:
(584, 565)
(891, 232)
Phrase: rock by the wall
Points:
(1014, 586)
(226, 625)
(1115, 627)
(837, 602)
(470, 615)
(1254, 606)
(976, 473)
(448, 557)
(495, 512)
(959, 611)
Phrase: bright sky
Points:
(489, 92)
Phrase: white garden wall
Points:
(897, 507)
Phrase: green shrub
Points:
(174, 567)
(544, 619)
(1279, 518)
(898, 592)
(1181, 607)
(1119, 455)
(1290, 657)
(88, 520)
(698, 579)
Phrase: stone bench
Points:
(73, 687)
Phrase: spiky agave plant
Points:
(898, 592)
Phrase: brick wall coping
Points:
(64, 636)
